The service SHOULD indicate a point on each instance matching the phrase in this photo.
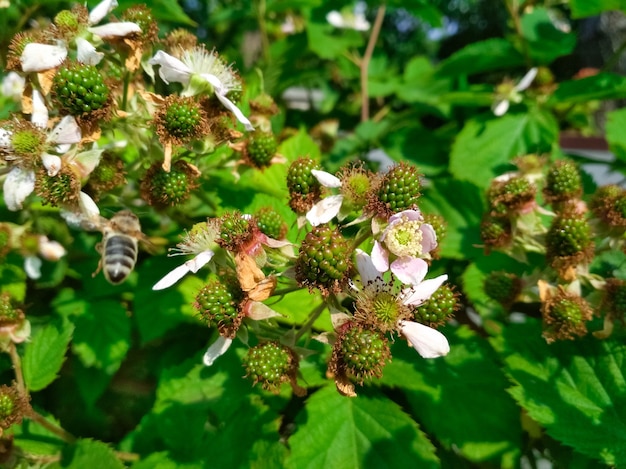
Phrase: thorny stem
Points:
(60, 432)
(513, 7)
(365, 62)
(312, 318)
(17, 366)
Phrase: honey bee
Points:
(120, 244)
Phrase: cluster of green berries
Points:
(9, 314)
(79, 89)
(63, 189)
(109, 174)
(270, 364)
(398, 190)
(161, 188)
(271, 223)
(563, 183)
(304, 188)
(503, 287)
(565, 316)
(324, 260)
(608, 204)
(181, 121)
(218, 304)
(359, 353)
(13, 406)
(235, 230)
(569, 242)
(261, 148)
(508, 197)
(439, 307)
(614, 299)
(495, 232)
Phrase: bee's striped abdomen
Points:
(119, 257)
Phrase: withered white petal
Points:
(171, 68)
(32, 266)
(120, 29)
(325, 210)
(86, 53)
(39, 57)
(39, 117)
(172, 277)
(52, 163)
(101, 10)
(428, 342)
(326, 179)
(65, 132)
(18, 185)
(216, 350)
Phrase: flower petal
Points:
(380, 257)
(119, 29)
(527, 79)
(500, 107)
(65, 132)
(368, 271)
(39, 116)
(235, 110)
(32, 266)
(409, 270)
(172, 277)
(420, 293)
(39, 57)
(171, 69)
(86, 53)
(216, 350)
(18, 185)
(51, 250)
(52, 163)
(429, 238)
(325, 210)
(101, 10)
(326, 179)
(199, 261)
(258, 311)
(411, 214)
(86, 161)
(428, 342)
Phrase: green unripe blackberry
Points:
(63, 189)
(609, 205)
(218, 304)
(160, 188)
(182, 119)
(271, 223)
(510, 195)
(142, 16)
(324, 260)
(27, 141)
(261, 148)
(565, 315)
(304, 188)
(109, 174)
(439, 308)
(270, 364)
(70, 23)
(361, 352)
(439, 224)
(79, 89)
(399, 190)
(563, 182)
(9, 314)
(495, 232)
(503, 287)
(235, 230)
(569, 236)
(13, 406)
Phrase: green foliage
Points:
(426, 96)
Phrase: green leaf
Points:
(90, 453)
(584, 8)
(420, 84)
(13, 281)
(604, 85)
(545, 42)
(173, 305)
(487, 145)
(33, 438)
(461, 205)
(383, 80)
(299, 145)
(615, 135)
(575, 389)
(446, 393)
(481, 56)
(369, 430)
(328, 42)
(102, 336)
(45, 353)
(430, 158)
(163, 460)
